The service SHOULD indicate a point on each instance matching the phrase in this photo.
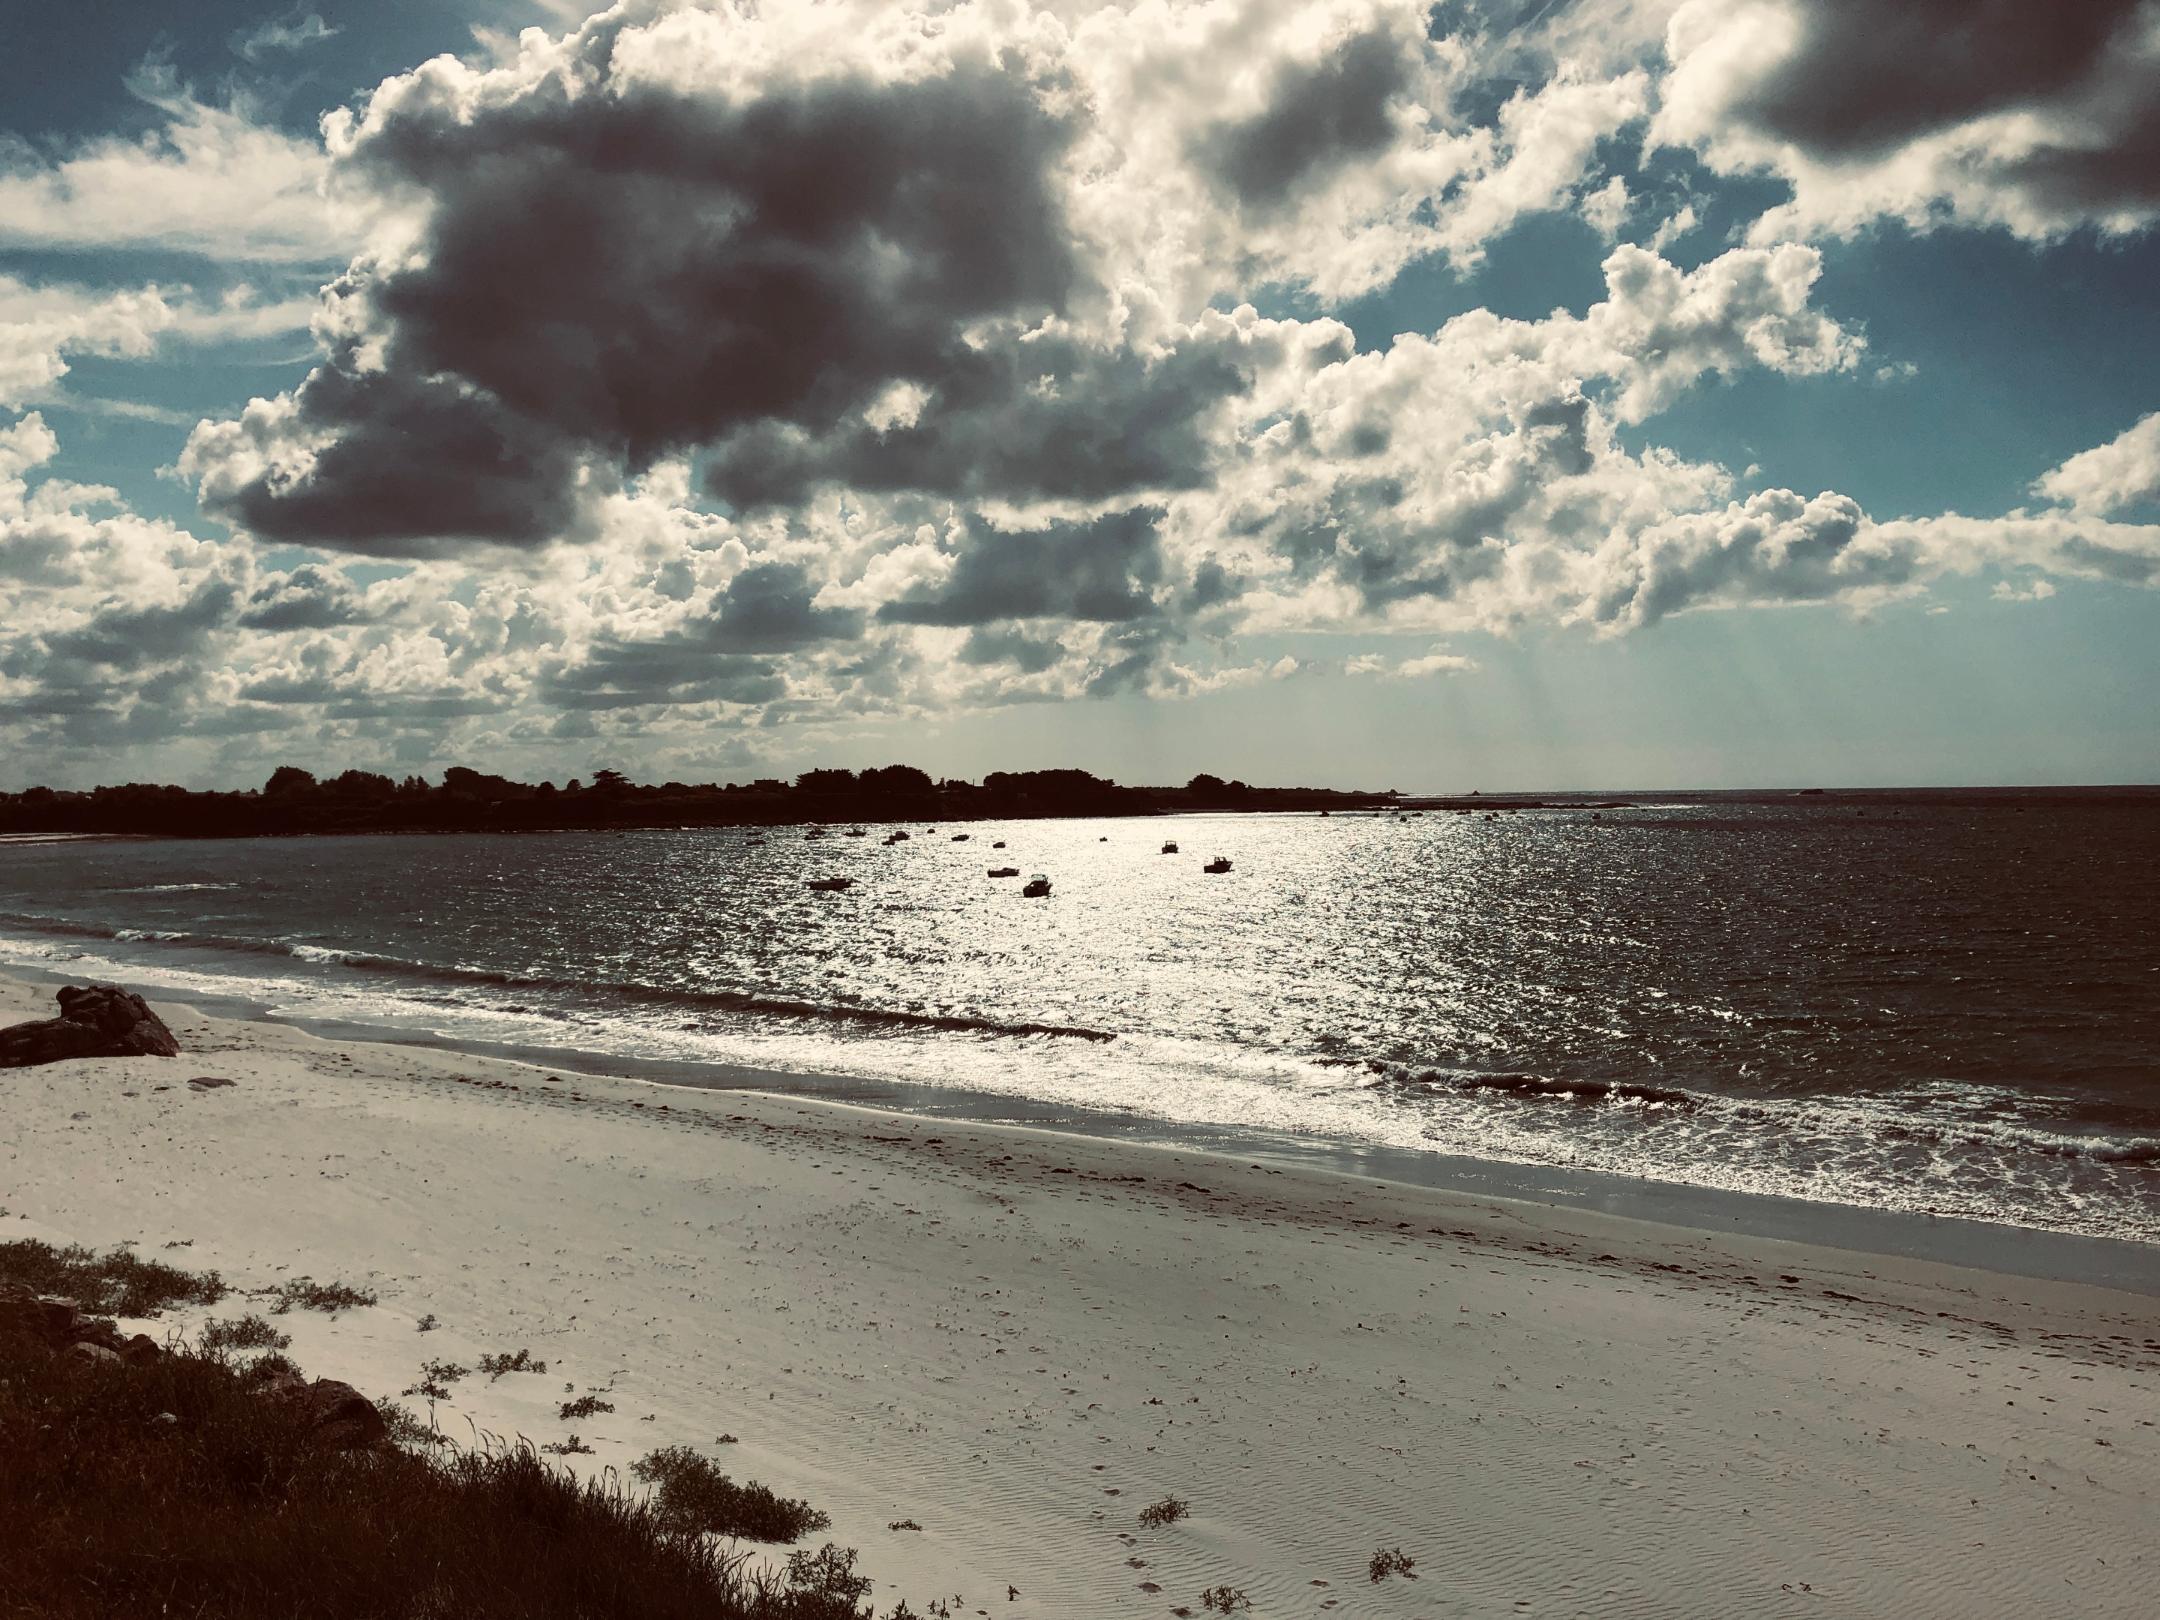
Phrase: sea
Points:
(1943, 1004)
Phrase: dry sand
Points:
(1019, 1339)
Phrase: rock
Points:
(165, 1420)
(53, 1321)
(140, 1350)
(98, 1020)
(209, 1082)
(95, 1353)
(340, 1415)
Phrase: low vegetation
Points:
(693, 1496)
(1224, 1599)
(585, 1406)
(1168, 1511)
(435, 1380)
(117, 1283)
(1391, 1561)
(243, 1333)
(305, 1293)
(172, 1488)
(496, 1366)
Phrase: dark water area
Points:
(1938, 1003)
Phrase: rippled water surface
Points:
(1952, 1006)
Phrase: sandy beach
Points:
(1018, 1339)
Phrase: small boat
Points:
(959, 838)
(756, 843)
(1004, 871)
(855, 832)
(1104, 839)
(831, 885)
(1220, 863)
(1170, 848)
(1036, 887)
(815, 832)
(1000, 844)
(897, 838)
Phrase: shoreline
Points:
(1016, 1336)
(2034, 1252)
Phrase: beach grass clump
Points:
(243, 1333)
(585, 1406)
(116, 1283)
(1224, 1599)
(1388, 1561)
(692, 1495)
(306, 1294)
(172, 1488)
(1168, 1511)
(498, 1365)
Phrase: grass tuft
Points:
(1168, 1511)
(585, 1406)
(495, 1366)
(114, 1284)
(243, 1333)
(1224, 1599)
(233, 1508)
(305, 1293)
(695, 1497)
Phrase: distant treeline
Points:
(296, 801)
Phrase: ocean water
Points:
(1926, 1003)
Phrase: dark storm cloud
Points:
(412, 465)
(623, 274)
(308, 598)
(1033, 420)
(766, 609)
(1319, 116)
(127, 639)
(1868, 76)
(1030, 655)
(1101, 570)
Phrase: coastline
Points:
(1016, 1336)
(1949, 1240)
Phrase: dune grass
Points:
(116, 1283)
(171, 1488)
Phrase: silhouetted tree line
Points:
(297, 801)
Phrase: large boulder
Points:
(340, 1415)
(96, 1020)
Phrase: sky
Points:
(1517, 394)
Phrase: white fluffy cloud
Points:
(207, 180)
(2122, 473)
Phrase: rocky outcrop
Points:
(339, 1415)
(59, 1324)
(96, 1020)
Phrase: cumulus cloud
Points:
(2036, 118)
(969, 253)
(2122, 473)
(42, 324)
(710, 370)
